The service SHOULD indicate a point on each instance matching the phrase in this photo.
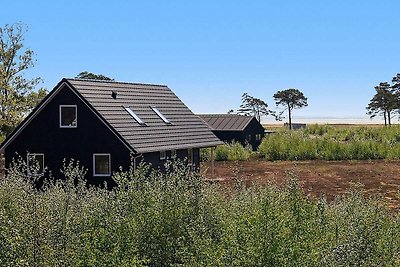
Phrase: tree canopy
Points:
(253, 106)
(92, 76)
(384, 102)
(290, 99)
(17, 92)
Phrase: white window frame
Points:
(160, 115)
(134, 116)
(94, 164)
(163, 155)
(34, 154)
(76, 116)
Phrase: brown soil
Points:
(329, 178)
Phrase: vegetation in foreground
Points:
(176, 219)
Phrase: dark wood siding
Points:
(91, 136)
(43, 135)
(154, 158)
(251, 130)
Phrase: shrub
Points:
(176, 219)
(328, 143)
(233, 151)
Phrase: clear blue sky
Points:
(211, 52)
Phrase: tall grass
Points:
(230, 151)
(176, 219)
(328, 143)
(233, 151)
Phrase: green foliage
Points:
(328, 143)
(252, 106)
(176, 219)
(205, 154)
(290, 99)
(92, 76)
(233, 151)
(17, 95)
(384, 102)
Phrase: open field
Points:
(331, 178)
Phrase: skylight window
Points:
(130, 111)
(161, 115)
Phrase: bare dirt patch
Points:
(330, 178)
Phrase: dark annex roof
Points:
(165, 123)
(226, 122)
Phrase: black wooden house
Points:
(105, 124)
(229, 128)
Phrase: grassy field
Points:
(323, 143)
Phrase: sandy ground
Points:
(330, 178)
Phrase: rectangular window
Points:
(35, 160)
(190, 156)
(258, 137)
(136, 117)
(163, 155)
(68, 116)
(101, 164)
(160, 115)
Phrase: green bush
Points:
(328, 143)
(233, 151)
(176, 219)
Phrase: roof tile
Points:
(185, 131)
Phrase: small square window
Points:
(101, 164)
(68, 116)
(35, 160)
(163, 155)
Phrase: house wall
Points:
(154, 158)
(43, 135)
(253, 128)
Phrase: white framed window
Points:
(133, 114)
(68, 116)
(190, 156)
(258, 137)
(161, 115)
(33, 159)
(163, 155)
(101, 164)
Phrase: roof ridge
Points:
(117, 82)
(225, 115)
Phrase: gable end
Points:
(62, 84)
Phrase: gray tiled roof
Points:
(185, 131)
(226, 122)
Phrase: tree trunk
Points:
(290, 118)
(389, 118)
(384, 116)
